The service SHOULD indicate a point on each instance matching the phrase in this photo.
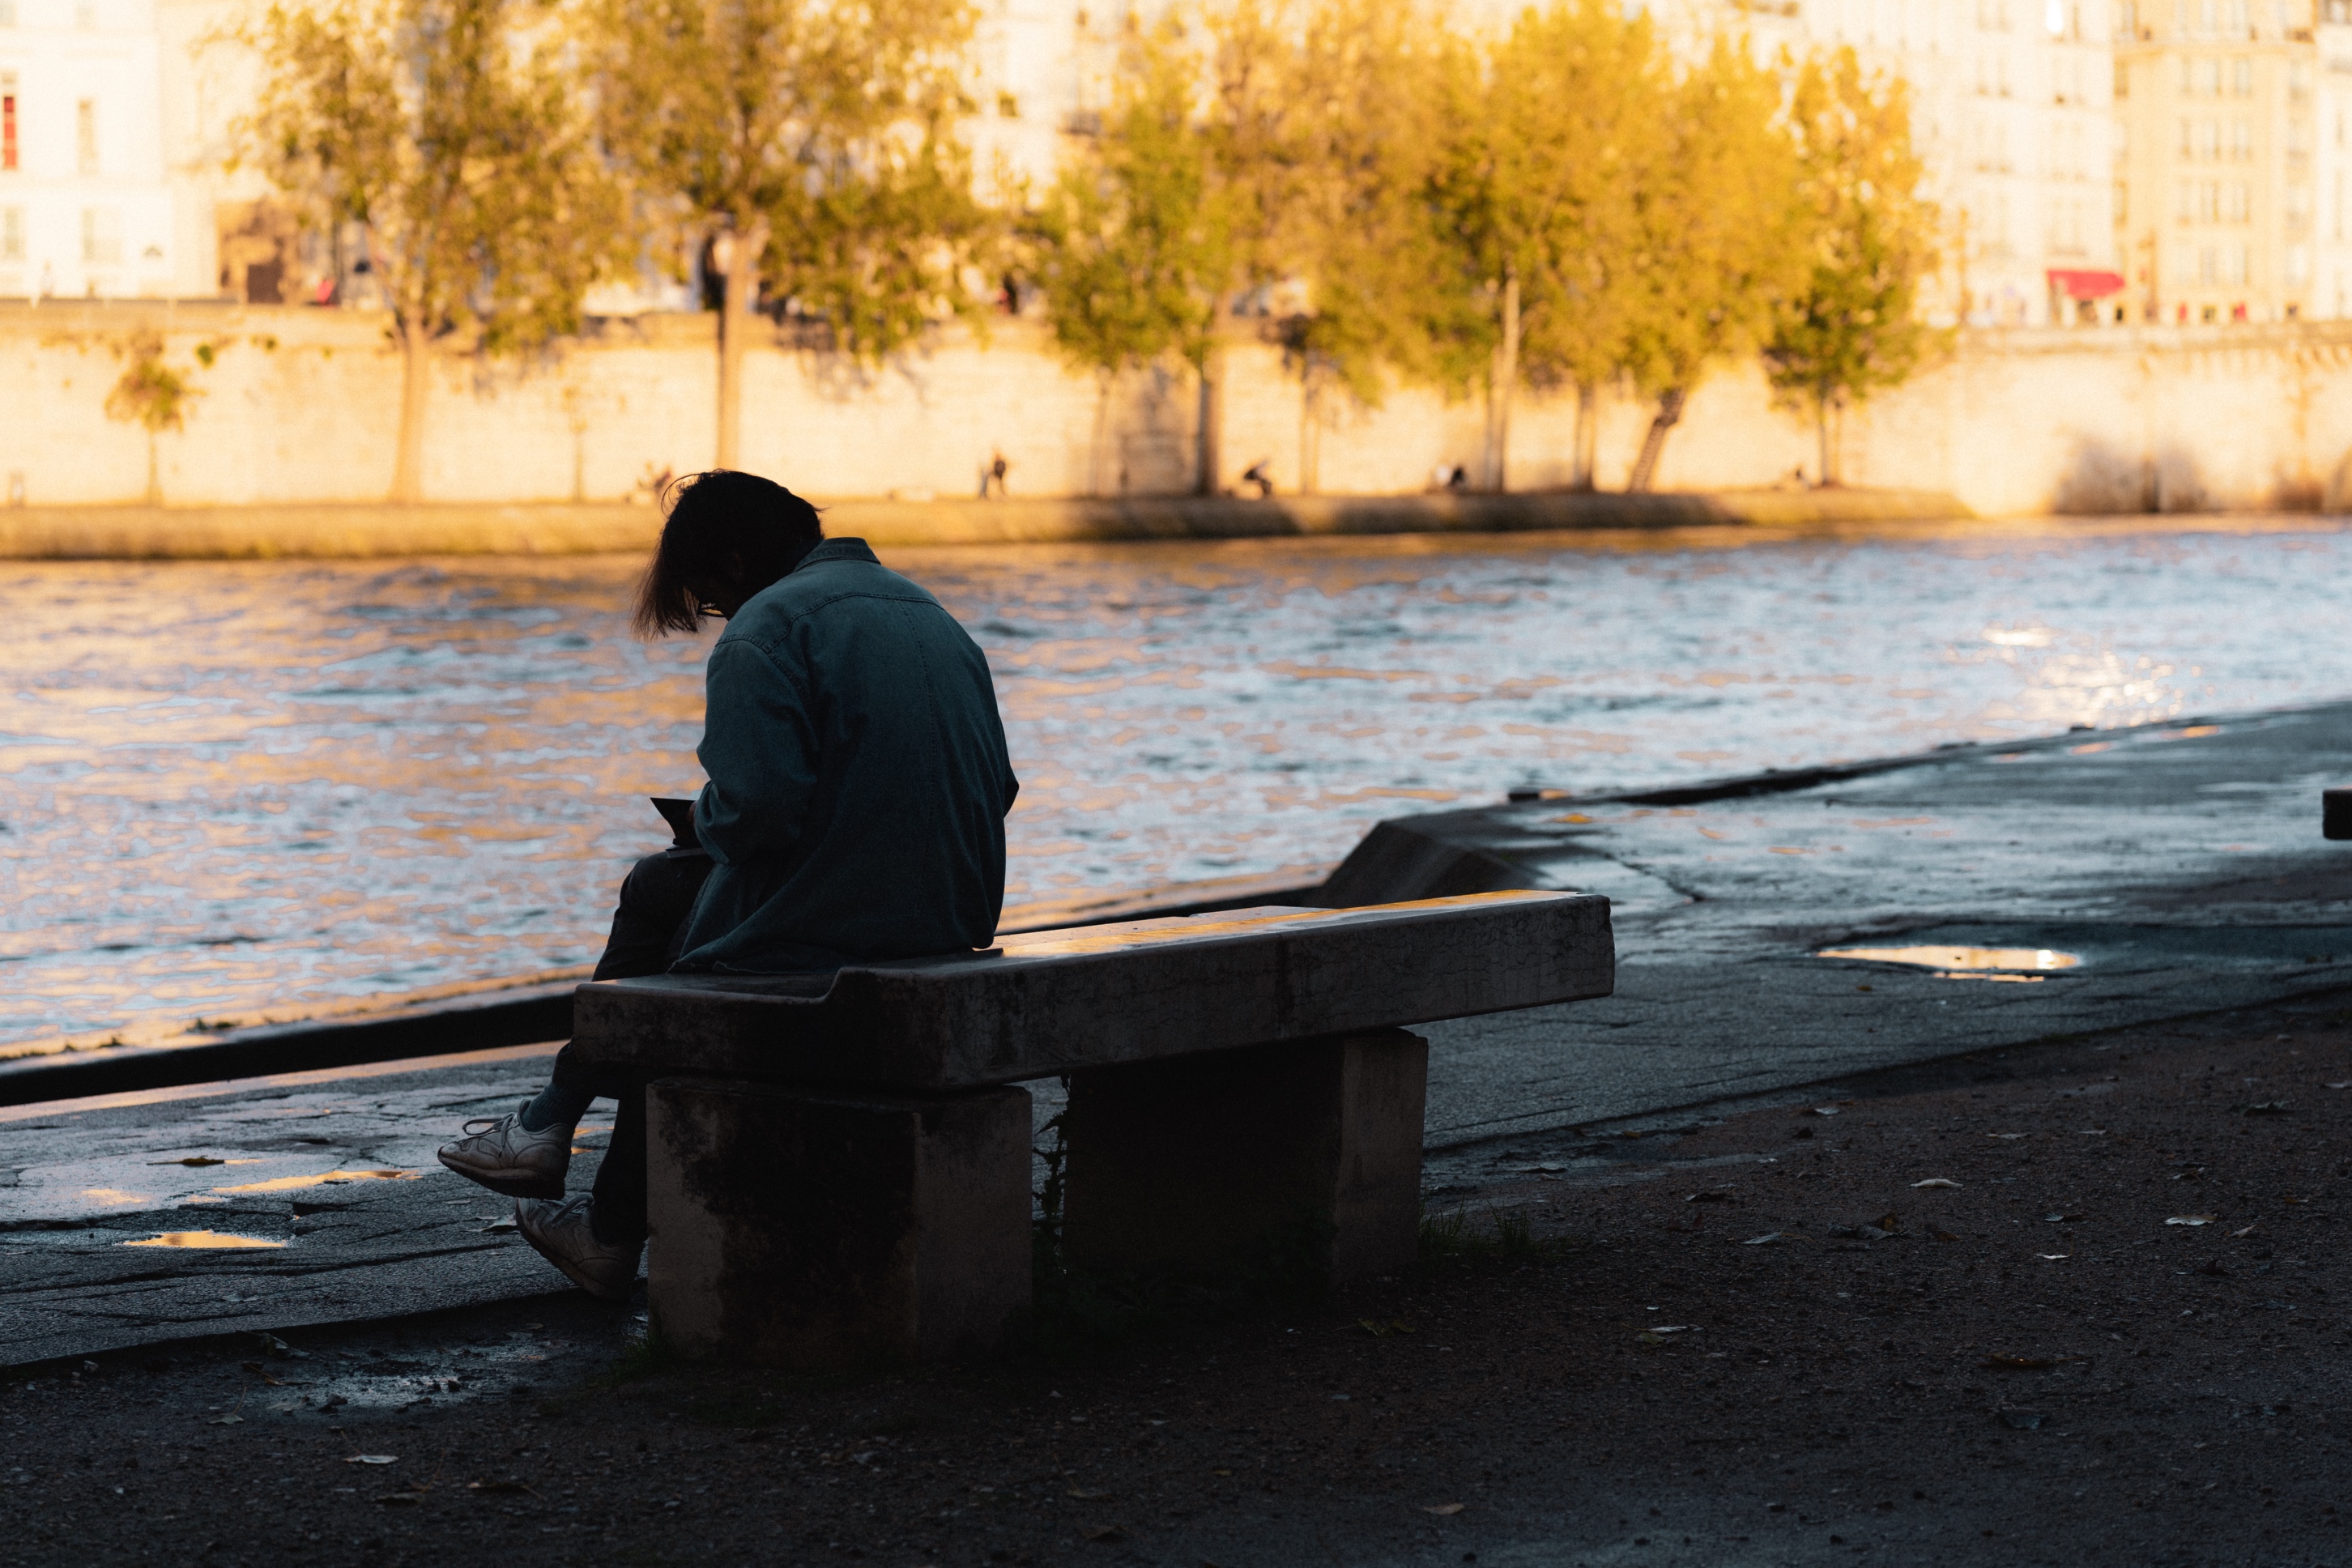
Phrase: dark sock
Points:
(556, 1106)
(617, 1231)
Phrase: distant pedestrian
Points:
(992, 478)
(1258, 474)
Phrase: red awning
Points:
(2086, 285)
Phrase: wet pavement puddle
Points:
(2016, 965)
(220, 1240)
(330, 1178)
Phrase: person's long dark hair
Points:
(723, 528)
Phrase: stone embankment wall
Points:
(297, 406)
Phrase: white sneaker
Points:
(562, 1235)
(506, 1157)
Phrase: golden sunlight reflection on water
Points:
(217, 1239)
(235, 790)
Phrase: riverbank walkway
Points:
(2167, 872)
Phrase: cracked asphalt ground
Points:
(2035, 1365)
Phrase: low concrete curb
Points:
(364, 531)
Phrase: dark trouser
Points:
(648, 931)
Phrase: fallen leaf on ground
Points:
(1825, 1111)
(373, 1459)
(1761, 1240)
(498, 1226)
(2191, 1219)
(1445, 1508)
(1936, 1182)
(2235, 1234)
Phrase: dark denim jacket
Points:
(859, 777)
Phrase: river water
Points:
(232, 789)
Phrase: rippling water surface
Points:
(230, 787)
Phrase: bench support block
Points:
(828, 1230)
(1307, 1152)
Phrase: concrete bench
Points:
(839, 1167)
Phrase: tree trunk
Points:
(1829, 447)
(1588, 438)
(736, 302)
(1653, 443)
(415, 384)
(1310, 430)
(1095, 452)
(1209, 459)
(154, 475)
(1503, 383)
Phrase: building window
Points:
(2209, 78)
(2298, 204)
(86, 136)
(2208, 138)
(101, 237)
(2208, 265)
(2242, 77)
(2298, 78)
(2241, 138)
(2239, 205)
(2184, 204)
(12, 234)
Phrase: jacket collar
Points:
(836, 550)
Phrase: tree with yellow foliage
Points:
(1852, 326)
(1719, 242)
(463, 156)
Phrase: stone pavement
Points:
(327, 1178)
(2180, 866)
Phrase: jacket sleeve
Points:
(759, 746)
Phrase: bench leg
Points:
(1211, 1163)
(831, 1230)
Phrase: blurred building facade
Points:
(2095, 160)
(2230, 159)
(86, 205)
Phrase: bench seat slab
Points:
(1246, 1161)
(1046, 1002)
(829, 1231)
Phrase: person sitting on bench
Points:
(858, 784)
